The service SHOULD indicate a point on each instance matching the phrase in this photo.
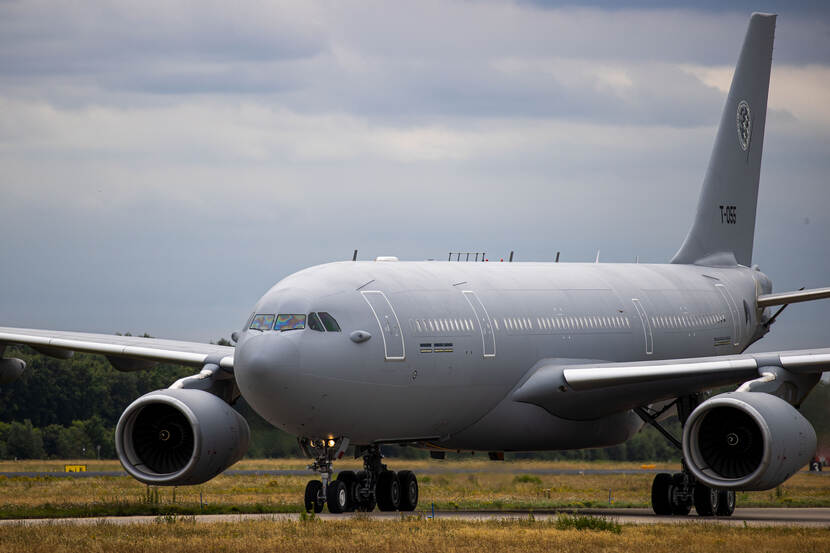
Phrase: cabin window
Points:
(314, 322)
(262, 322)
(289, 322)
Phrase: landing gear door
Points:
(390, 327)
(487, 336)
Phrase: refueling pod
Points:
(746, 441)
(176, 437)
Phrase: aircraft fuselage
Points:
(450, 341)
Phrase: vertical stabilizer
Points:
(724, 226)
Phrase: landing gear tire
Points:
(681, 504)
(349, 478)
(409, 490)
(313, 499)
(388, 491)
(337, 496)
(726, 503)
(707, 500)
(661, 489)
(364, 504)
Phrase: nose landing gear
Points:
(375, 485)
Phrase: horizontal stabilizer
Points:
(785, 298)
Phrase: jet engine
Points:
(177, 437)
(10, 369)
(746, 441)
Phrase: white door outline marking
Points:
(390, 328)
(488, 337)
(646, 325)
(733, 310)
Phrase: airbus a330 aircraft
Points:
(500, 356)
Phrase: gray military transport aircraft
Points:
(500, 356)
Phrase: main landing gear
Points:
(363, 490)
(676, 494)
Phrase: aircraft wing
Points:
(126, 353)
(587, 391)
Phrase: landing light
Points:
(331, 443)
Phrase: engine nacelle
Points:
(10, 369)
(177, 437)
(746, 441)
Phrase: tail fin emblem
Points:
(744, 120)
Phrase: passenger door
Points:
(390, 327)
(488, 337)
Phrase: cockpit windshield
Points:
(289, 322)
(321, 322)
(262, 322)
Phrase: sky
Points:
(162, 164)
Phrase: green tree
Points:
(24, 441)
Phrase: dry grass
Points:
(472, 463)
(404, 536)
(493, 487)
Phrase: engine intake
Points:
(177, 437)
(747, 441)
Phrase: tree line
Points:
(68, 409)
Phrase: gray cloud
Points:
(160, 169)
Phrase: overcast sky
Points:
(163, 164)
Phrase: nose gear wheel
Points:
(373, 486)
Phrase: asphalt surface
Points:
(816, 517)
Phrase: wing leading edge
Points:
(588, 391)
(118, 348)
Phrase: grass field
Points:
(409, 534)
(493, 486)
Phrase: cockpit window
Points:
(289, 322)
(262, 322)
(314, 322)
(329, 322)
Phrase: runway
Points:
(306, 472)
(756, 517)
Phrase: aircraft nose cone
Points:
(265, 366)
